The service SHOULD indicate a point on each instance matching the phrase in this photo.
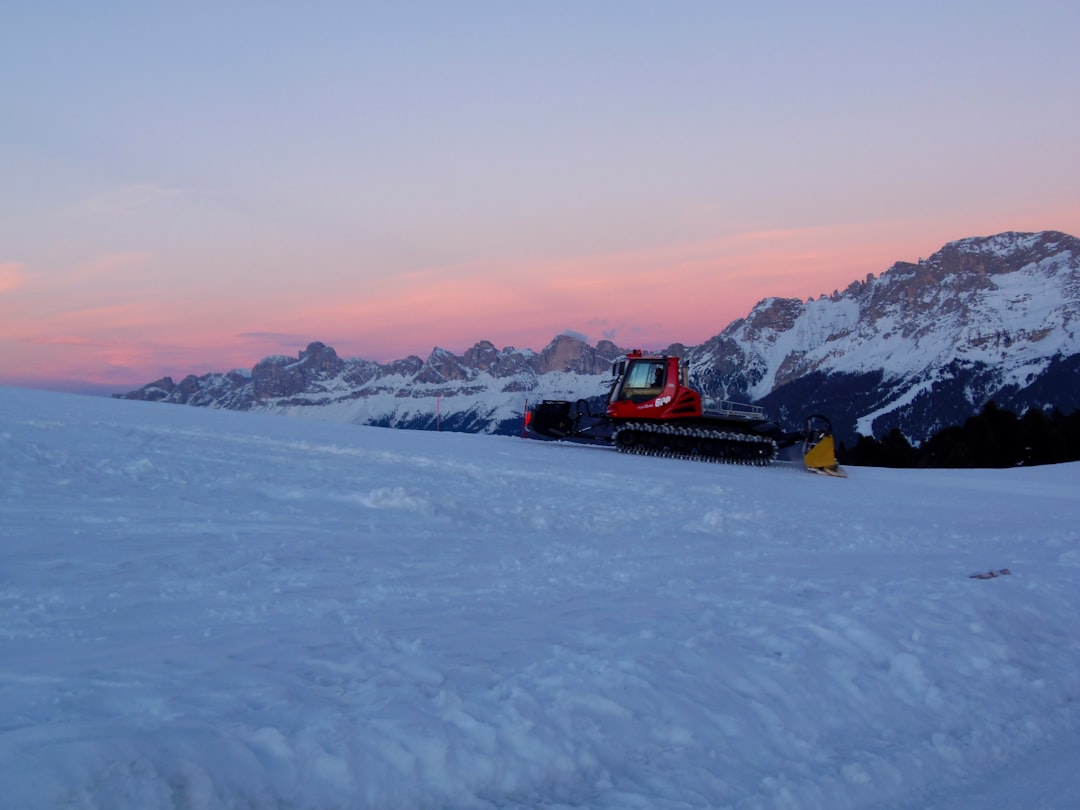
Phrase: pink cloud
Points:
(104, 319)
(12, 276)
(123, 264)
(685, 292)
(62, 340)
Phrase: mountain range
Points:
(920, 347)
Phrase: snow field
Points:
(209, 609)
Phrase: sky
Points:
(192, 187)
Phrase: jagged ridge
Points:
(481, 391)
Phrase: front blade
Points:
(821, 458)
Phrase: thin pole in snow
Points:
(438, 413)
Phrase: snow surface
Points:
(204, 608)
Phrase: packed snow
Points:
(203, 608)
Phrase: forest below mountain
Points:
(996, 437)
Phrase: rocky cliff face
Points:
(921, 347)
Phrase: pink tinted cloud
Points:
(62, 340)
(124, 266)
(80, 322)
(650, 298)
(678, 293)
(104, 320)
(12, 276)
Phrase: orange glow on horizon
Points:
(105, 323)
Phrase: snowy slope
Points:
(203, 608)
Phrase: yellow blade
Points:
(822, 456)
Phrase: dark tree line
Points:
(995, 438)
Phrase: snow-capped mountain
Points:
(921, 347)
(485, 390)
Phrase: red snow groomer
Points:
(653, 411)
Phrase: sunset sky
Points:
(189, 187)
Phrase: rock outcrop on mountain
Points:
(921, 347)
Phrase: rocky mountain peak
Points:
(482, 355)
(774, 315)
(318, 358)
(568, 353)
(442, 366)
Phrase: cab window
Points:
(644, 380)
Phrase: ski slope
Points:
(204, 609)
